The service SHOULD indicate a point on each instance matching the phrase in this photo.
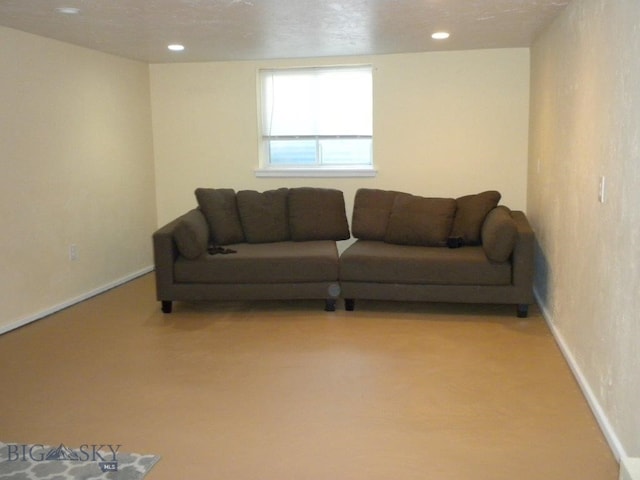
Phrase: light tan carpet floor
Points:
(284, 390)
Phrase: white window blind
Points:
(317, 118)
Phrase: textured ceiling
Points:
(214, 30)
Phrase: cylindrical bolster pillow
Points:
(499, 234)
(192, 234)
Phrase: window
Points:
(316, 121)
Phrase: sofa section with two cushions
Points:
(412, 248)
(248, 245)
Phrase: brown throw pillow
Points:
(499, 234)
(264, 215)
(470, 214)
(371, 212)
(221, 211)
(317, 214)
(192, 234)
(420, 221)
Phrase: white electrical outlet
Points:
(73, 252)
(601, 190)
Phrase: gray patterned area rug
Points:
(19, 461)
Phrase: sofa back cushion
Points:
(221, 211)
(420, 221)
(264, 216)
(371, 212)
(192, 234)
(471, 210)
(317, 214)
(499, 234)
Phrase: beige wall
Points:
(445, 124)
(77, 167)
(585, 123)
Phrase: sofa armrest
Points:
(165, 253)
(523, 257)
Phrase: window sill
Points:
(315, 172)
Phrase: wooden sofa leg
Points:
(349, 304)
(167, 306)
(330, 305)
(523, 310)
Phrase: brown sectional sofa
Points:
(281, 244)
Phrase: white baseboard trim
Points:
(601, 417)
(61, 306)
(630, 469)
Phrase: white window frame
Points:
(266, 169)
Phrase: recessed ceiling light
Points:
(440, 35)
(176, 47)
(68, 10)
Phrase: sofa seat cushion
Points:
(371, 261)
(278, 262)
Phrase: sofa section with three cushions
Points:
(277, 244)
(412, 248)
